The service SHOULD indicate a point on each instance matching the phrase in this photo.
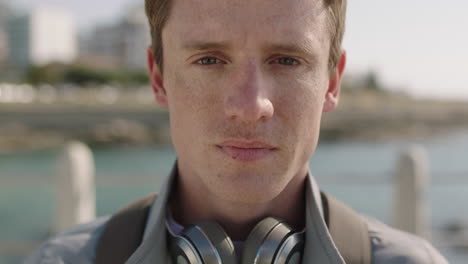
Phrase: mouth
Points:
(246, 151)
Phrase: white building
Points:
(137, 38)
(41, 37)
(3, 47)
(121, 45)
(4, 16)
(103, 47)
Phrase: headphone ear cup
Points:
(183, 252)
(265, 243)
(291, 249)
(256, 239)
(212, 243)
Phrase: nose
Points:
(248, 96)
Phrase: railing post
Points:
(411, 211)
(75, 193)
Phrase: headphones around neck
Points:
(271, 242)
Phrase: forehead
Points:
(244, 20)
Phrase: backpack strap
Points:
(348, 230)
(123, 233)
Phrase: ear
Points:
(156, 80)
(334, 85)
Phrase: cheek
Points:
(192, 104)
(300, 106)
(187, 93)
(301, 99)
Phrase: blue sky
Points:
(420, 46)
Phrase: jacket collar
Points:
(153, 247)
(319, 246)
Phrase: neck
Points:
(191, 201)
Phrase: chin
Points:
(251, 188)
(244, 196)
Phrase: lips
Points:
(247, 151)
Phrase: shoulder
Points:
(76, 245)
(390, 245)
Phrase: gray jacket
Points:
(389, 245)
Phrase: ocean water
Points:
(359, 173)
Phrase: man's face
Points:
(246, 83)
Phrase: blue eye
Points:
(286, 61)
(209, 61)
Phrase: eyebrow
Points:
(306, 49)
(201, 45)
(301, 48)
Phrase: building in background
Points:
(137, 38)
(120, 45)
(4, 16)
(43, 36)
(3, 47)
(102, 47)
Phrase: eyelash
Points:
(213, 61)
(217, 61)
(293, 61)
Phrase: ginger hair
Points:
(158, 12)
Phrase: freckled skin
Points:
(247, 94)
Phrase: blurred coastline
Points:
(376, 116)
(108, 115)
